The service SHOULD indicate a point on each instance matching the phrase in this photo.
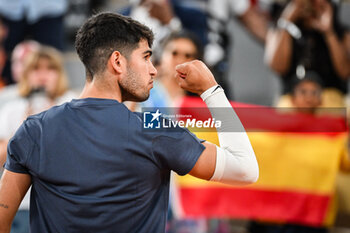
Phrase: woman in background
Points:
(309, 36)
(43, 84)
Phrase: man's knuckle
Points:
(196, 62)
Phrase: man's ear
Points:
(116, 62)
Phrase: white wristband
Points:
(290, 27)
(211, 91)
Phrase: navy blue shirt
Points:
(94, 169)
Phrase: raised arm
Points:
(255, 22)
(234, 161)
(339, 48)
(278, 46)
(340, 54)
(13, 187)
(278, 50)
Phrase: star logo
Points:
(156, 115)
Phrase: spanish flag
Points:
(299, 156)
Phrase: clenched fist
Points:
(194, 76)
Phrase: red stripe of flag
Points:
(282, 206)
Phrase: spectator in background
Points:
(307, 93)
(19, 54)
(40, 20)
(306, 97)
(308, 36)
(42, 85)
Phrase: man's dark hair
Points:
(105, 33)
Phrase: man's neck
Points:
(101, 90)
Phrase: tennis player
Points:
(91, 165)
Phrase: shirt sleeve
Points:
(19, 148)
(178, 151)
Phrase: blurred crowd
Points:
(304, 42)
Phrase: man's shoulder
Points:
(55, 110)
(49, 115)
(36, 124)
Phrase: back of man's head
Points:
(107, 32)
